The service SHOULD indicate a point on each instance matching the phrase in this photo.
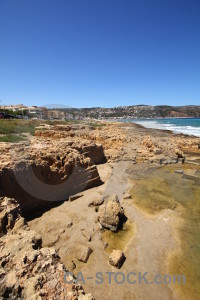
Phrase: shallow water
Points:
(118, 240)
(161, 188)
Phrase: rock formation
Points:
(111, 214)
(94, 152)
(27, 270)
(44, 172)
(9, 213)
(84, 253)
(117, 258)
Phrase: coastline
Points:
(166, 131)
(177, 126)
(133, 154)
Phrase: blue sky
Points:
(85, 53)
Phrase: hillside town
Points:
(33, 112)
(99, 113)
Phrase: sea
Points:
(189, 126)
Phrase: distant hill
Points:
(54, 106)
(143, 111)
(133, 111)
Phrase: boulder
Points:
(111, 214)
(84, 253)
(117, 258)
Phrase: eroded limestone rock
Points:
(42, 173)
(28, 271)
(111, 214)
(9, 215)
(117, 258)
(84, 253)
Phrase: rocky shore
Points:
(28, 270)
(66, 187)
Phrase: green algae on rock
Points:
(162, 188)
(120, 239)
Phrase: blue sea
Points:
(189, 126)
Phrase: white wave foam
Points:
(189, 130)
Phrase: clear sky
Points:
(85, 53)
